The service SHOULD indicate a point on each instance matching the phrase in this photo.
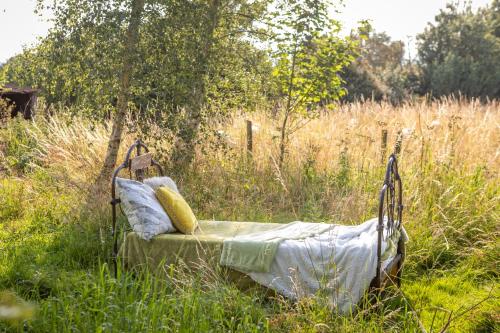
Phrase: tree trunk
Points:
(123, 96)
(288, 110)
(184, 147)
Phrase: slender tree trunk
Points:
(123, 96)
(184, 147)
(288, 109)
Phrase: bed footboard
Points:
(390, 217)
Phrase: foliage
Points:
(382, 52)
(192, 62)
(76, 64)
(380, 71)
(456, 55)
(309, 57)
(460, 53)
(57, 259)
(5, 111)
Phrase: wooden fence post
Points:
(399, 142)
(383, 146)
(139, 173)
(249, 139)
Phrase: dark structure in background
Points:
(23, 100)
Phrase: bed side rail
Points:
(390, 216)
(136, 166)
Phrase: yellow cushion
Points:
(177, 209)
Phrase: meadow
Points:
(55, 250)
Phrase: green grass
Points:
(57, 259)
(455, 293)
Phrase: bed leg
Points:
(401, 251)
(114, 202)
(380, 232)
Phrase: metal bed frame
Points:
(390, 209)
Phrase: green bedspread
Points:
(255, 252)
(204, 247)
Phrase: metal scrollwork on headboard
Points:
(136, 166)
(390, 210)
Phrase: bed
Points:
(205, 246)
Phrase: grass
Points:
(55, 257)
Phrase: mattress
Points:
(204, 247)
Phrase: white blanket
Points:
(339, 264)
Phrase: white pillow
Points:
(155, 182)
(144, 212)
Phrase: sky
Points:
(401, 19)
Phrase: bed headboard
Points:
(390, 210)
(136, 166)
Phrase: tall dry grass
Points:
(332, 172)
(344, 144)
(453, 131)
(447, 131)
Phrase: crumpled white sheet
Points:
(339, 264)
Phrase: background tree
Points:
(197, 58)
(460, 53)
(382, 53)
(380, 71)
(309, 58)
(129, 58)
